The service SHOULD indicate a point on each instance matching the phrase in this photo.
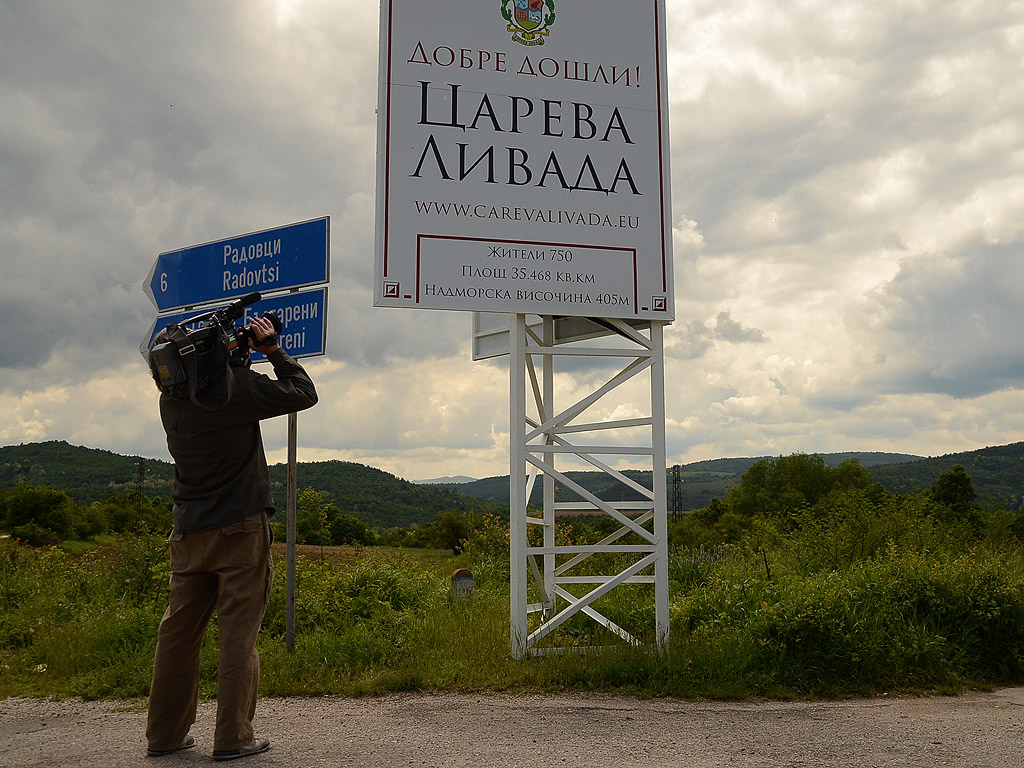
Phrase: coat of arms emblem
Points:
(529, 21)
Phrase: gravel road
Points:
(975, 730)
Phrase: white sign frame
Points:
(491, 331)
(523, 159)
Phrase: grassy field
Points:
(772, 616)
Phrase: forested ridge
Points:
(997, 473)
(90, 475)
(383, 500)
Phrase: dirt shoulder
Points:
(975, 730)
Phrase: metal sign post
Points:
(543, 436)
(292, 511)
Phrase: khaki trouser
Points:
(228, 569)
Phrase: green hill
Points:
(87, 474)
(374, 496)
(997, 473)
(867, 459)
(700, 481)
(382, 500)
(379, 497)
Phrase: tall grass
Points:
(84, 626)
(904, 621)
(779, 615)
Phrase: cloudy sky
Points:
(848, 194)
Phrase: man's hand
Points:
(263, 330)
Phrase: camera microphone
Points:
(249, 298)
(235, 309)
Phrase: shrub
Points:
(34, 535)
(31, 508)
(901, 621)
(487, 550)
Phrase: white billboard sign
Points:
(523, 158)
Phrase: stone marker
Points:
(462, 582)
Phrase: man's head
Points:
(209, 356)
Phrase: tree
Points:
(955, 495)
(451, 530)
(92, 521)
(955, 490)
(49, 509)
(778, 487)
(346, 529)
(320, 521)
(134, 511)
(312, 518)
(787, 487)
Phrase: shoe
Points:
(188, 743)
(254, 747)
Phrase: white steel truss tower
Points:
(544, 438)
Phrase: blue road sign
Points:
(303, 318)
(279, 259)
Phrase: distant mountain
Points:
(997, 474)
(374, 496)
(867, 459)
(697, 488)
(455, 480)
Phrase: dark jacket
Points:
(220, 470)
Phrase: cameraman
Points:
(220, 546)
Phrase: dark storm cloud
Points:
(730, 330)
(951, 324)
(695, 339)
(30, 330)
(131, 129)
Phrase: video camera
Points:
(187, 361)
